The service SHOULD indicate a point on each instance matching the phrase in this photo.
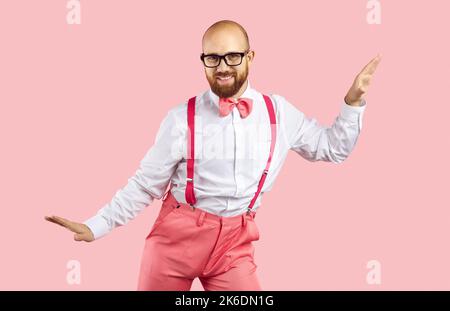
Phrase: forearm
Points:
(330, 144)
(126, 204)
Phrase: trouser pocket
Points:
(164, 212)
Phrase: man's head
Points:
(221, 38)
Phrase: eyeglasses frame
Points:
(242, 54)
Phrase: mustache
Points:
(225, 74)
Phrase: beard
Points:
(225, 91)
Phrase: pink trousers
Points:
(185, 243)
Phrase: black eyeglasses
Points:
(231, 59)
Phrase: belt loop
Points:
(244, 219)
(165, 195)
(201, 218)
(167, 192)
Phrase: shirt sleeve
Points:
(149, 181)
(316, 142)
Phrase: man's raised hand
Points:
(361, 83)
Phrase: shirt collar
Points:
(247, 93)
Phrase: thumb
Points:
(84, 234)
(79, 237)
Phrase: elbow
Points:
(337, 157)
(338, 151)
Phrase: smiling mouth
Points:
(224, 79)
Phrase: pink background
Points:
(71, 97)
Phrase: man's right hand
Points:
(82, 232)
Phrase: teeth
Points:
(224, 78)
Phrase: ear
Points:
(250, 56)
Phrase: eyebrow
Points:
(222, 54)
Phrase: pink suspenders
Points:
(273, 130)
(189, 194)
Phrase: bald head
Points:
(224, 36)
(228, 38)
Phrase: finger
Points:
(56, 220)
(62, 222)
(53, 220)
(83, 237)
(372, 65)
(78, 237)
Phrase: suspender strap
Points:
(189, 194)
(273, 130)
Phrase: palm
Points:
(362, 82)
(82, 232)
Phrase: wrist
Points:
(354, 103)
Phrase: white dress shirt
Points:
(231, 153)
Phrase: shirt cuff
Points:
(353, 113)
(98, 225)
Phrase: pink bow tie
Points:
(244, 105)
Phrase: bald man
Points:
(213, 158)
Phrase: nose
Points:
(223, 67)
